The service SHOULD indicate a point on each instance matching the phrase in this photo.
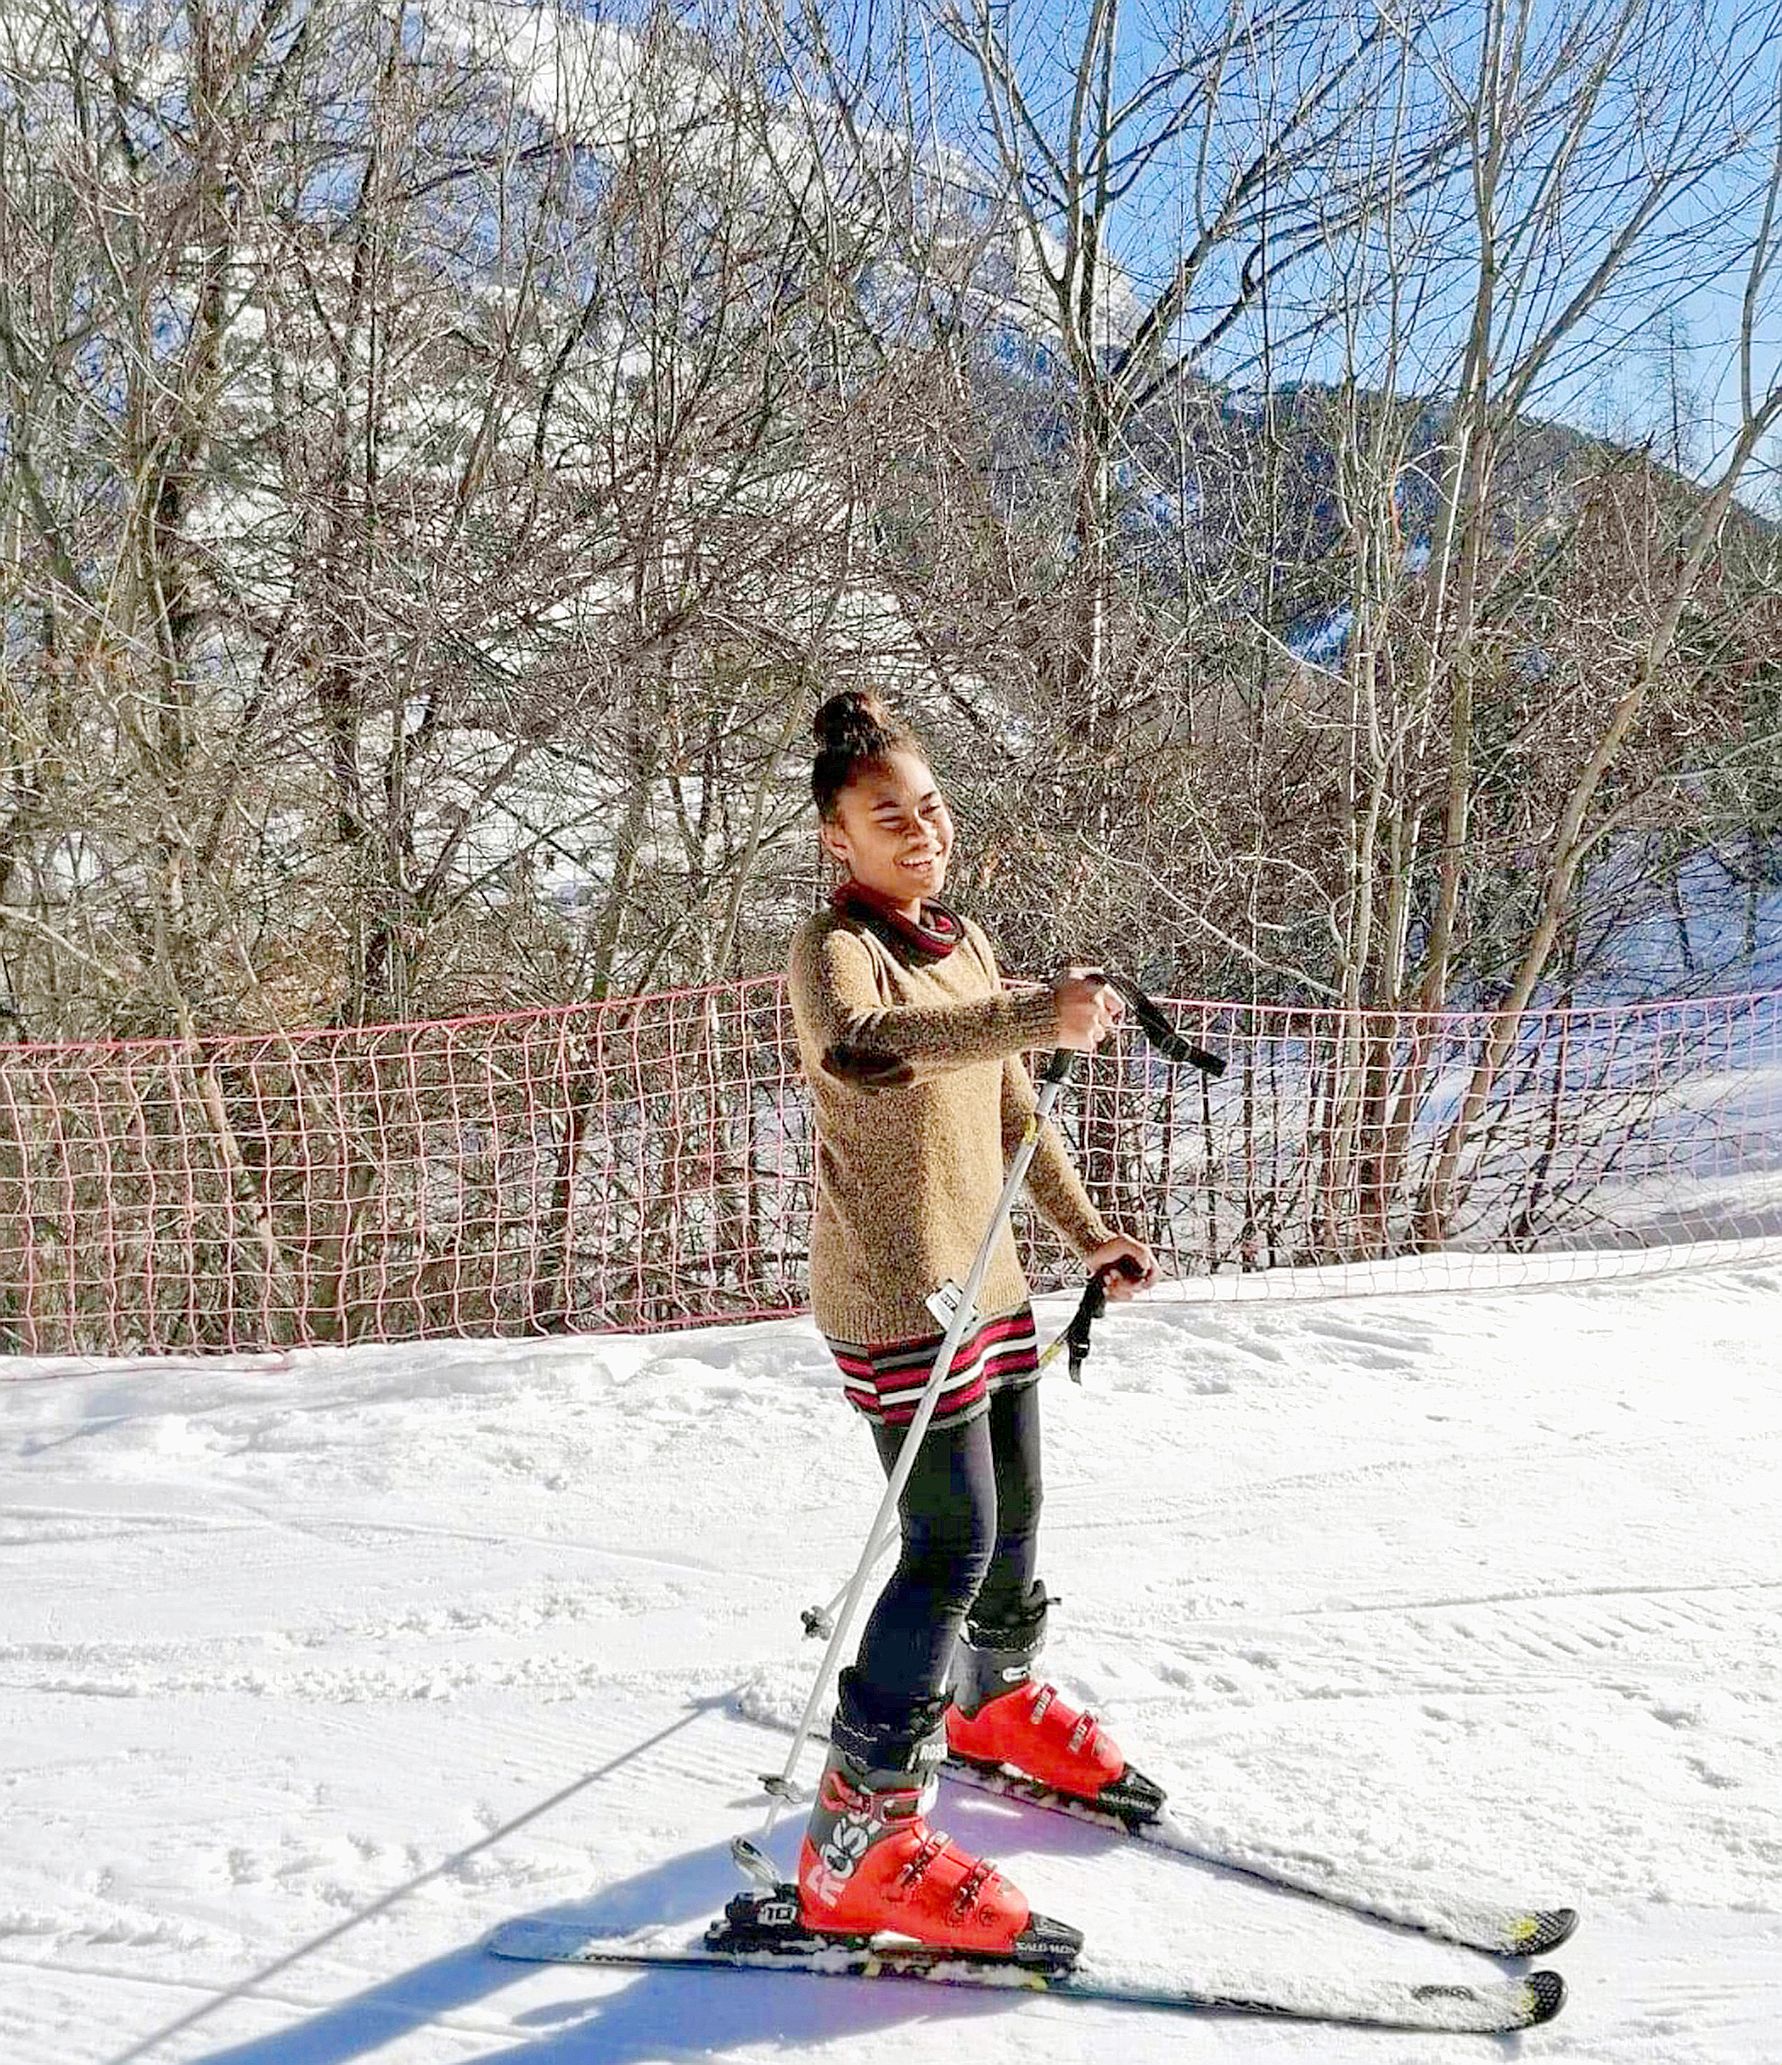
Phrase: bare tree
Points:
(434, 465)
(1580, 826)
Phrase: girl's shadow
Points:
(640, 2013)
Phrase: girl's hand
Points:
(1129, 1264)
(1088, 1010)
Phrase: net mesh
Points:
(646, 1163)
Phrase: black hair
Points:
(854, 729)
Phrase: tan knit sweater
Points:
(920, 1096)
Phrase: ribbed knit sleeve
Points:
(1052, 1182)
(862, 1041)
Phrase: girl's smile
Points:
(892, 831)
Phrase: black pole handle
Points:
(1155, 1027)
(1058, 1069)
(1158, 1030)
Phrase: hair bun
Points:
(854, 729)
(856, 722)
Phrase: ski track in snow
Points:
(315, 1668)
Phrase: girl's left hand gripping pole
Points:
(751, 1856)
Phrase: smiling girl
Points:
(912, 1048)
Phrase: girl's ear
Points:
(834, 841)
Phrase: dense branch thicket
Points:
(449, 448)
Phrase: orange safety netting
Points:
(646, 1163)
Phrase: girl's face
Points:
(891, 831)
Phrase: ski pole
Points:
(819, 1621)
(751, 1856)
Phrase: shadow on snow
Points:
(638, 2013)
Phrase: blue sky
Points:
(1677, 308)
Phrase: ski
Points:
(1499, 1928)
(1493, 2007)
(1502, 1929)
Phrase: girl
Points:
(912, 1050)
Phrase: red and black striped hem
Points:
(885, 1379)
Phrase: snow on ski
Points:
(1500, 1928)
(1491, 2007)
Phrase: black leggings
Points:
(970, 1514)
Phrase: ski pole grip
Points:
(1161, 1034)
(1058, 1069)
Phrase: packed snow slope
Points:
(314, 1669)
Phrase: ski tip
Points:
(524, 1941)
(1546, 1996)
(1536, 1934)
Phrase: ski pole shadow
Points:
(328, 2036)
(639, 2014)
(682, 1888)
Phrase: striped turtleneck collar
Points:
(936, 933)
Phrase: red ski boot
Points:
(1002, 1720)
(870, 1864)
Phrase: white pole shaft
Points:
(884, 1518)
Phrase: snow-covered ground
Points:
(315, 1668)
